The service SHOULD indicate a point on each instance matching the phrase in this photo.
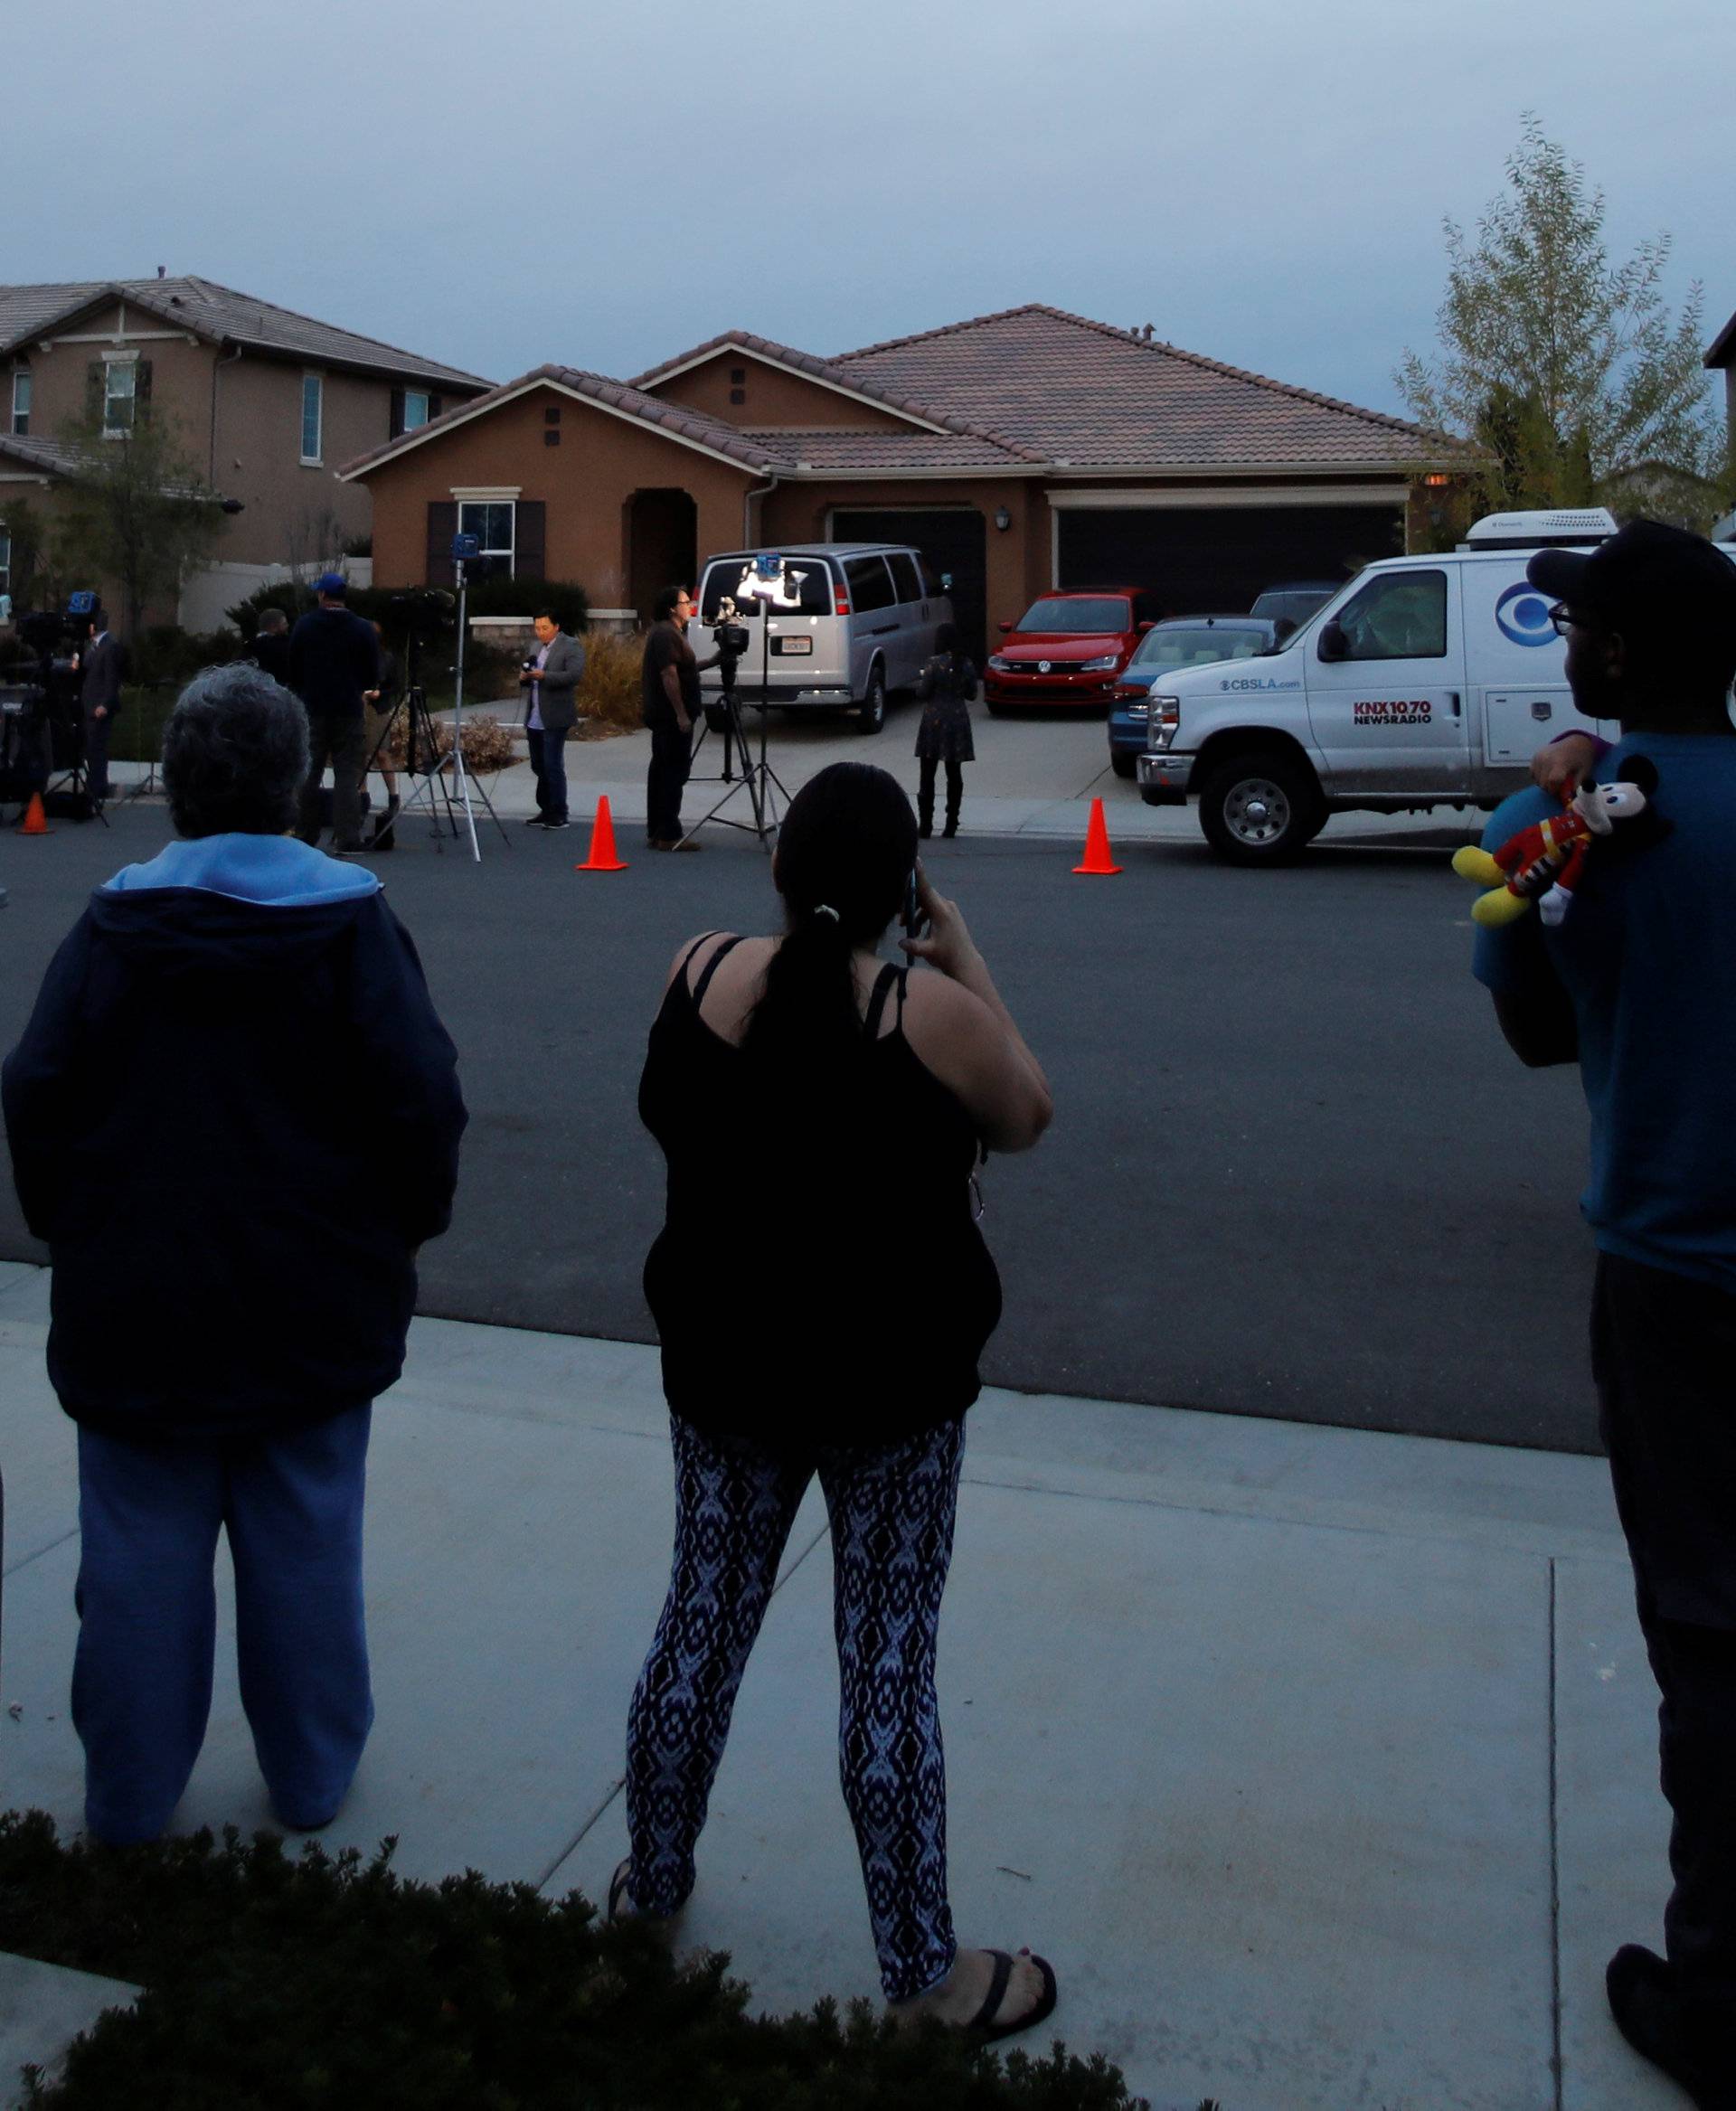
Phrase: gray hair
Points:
(273, 619)
(234, 754)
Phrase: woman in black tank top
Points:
(822, 1120)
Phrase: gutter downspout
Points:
(748, 497)
(217, 368)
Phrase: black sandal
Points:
(983, 2024)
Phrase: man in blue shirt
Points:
(1639, 987)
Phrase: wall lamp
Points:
(1003, 519)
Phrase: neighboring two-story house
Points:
(268, 403)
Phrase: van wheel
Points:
(871, 713)
(1260, 809)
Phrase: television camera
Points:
(42, 726)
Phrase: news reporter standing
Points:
(99, 700)
(822, 1116)
(549, 679)
(232, 1227)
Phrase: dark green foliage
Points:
(164, 651)
(277, 1982)
(521, 597)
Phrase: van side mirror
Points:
(945, 582)
(1284, 628)
(1334, 644)
(1145, 623)
(1003, 628)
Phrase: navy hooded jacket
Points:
(233, 1116)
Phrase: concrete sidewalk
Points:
(1319, 1763)
(1033, 776)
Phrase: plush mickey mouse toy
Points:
(1545, 862)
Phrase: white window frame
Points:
(114, 362)
(21, 386)
(425, 397)
(511, 551)
(316, 459)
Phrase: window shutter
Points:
(436, 404)
(141, 389)
(96, 391)
(397, 415)
(529, 531)
(442, 525)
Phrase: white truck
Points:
(1428, 681)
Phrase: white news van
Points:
(1426, 681)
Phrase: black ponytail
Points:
(845, 853)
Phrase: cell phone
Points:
(914, 921)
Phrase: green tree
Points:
(137, 510)
(1569, 371)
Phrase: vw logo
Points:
(1522, 614)
(1043, 666)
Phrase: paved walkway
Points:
(1319, 1762)
(1031, 777)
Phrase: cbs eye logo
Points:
(1522, 614)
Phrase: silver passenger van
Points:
(862, 619)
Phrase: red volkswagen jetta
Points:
(1068, 647)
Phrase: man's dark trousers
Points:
(336, 739)
(96, 755)
(672, 756)
(548, 761)
(1664, 1355)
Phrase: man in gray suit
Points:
(99, 699)
(548, 681)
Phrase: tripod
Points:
(73, 784)
(757, 778)
(444, 795)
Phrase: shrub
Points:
(564, 599)
(487, 744)
(272, 1981)
(610, 689)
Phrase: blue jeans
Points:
(549, 761)
(149, 1514)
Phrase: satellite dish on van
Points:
(1545, 530)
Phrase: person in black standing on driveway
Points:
(945, 687)
(669, 704)
(271, 644)
(334, 665)
(99, 699)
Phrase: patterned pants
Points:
(890, 1508)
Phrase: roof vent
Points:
(1540, 530)
(162, 270)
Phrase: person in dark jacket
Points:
(333, 663)
(944, 687)
(869, 1100)
(99, 699)
(234, 1117)
(271, 644)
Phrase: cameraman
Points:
(333, 663)
(669, 703)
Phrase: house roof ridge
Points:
(824, 369)
(413, 360)
(1023, 307)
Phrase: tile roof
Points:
(896, 453)
(1087, 395)
(53, 457)
(689, 425)
(1722, 351)
(829, 370)
(220, 313)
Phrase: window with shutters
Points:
(491, 521)
(313, 417)
(119, 397)
(20, 386)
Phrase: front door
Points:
(1389, 718)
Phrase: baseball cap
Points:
(332, 584)
(1649, 580)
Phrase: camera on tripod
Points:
(731, 638)
(40, 716)
(424, 609)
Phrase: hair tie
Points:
(826, 909)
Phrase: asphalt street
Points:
(1293, 1171)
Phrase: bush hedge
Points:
(278, 1982)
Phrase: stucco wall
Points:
(775, 398)
(586, 483)
(258, 458)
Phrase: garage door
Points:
(1207, 559)
(951, 538)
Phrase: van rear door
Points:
(1388, 717)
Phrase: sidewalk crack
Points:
(573, 1846)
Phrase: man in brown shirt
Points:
(669, 704)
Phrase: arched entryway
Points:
(661, 544)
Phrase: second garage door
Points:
(950, 538)
(1213, 559)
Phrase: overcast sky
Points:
(1262, 179)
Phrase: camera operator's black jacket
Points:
(334, 656)
(233, 1120)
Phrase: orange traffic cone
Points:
(1098, 860)
(602, 858)
(35, 819)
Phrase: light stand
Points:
(456, 795)
(770, 581)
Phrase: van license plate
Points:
(794, 644)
